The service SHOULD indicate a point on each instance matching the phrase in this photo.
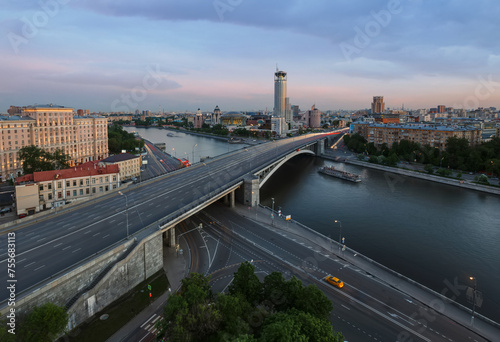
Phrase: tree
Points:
(246, 283)
(189, 314)
(119, 139)
(295, 325)
(37, 159)
(43, 323)
(429, 168)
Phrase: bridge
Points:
(87, 256)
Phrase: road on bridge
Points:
(48, 246)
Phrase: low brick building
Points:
(46, 189)
(129, 164)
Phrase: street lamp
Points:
(126, 206)
(441, 162)
(340, 233)
(473, 299)
(192, 162)
(272, 213)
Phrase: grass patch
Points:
(120, 312)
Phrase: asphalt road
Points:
(365, 309)
(53, 244)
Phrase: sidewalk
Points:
(426, 296)
(175, 269)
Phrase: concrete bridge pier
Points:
(169, 237)
(251, 195)
(319, 147)
(229, 199)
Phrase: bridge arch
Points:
(266, 173)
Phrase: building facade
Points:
(432, 135)
(279, 93)
(314, 117)
(378, 105)
(83, 138)
(48, 189)
(128, 164)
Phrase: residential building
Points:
(198, 119)
(128, 164)
(47, 189)
(432, 135)
(83, 138)
(314, 117)
(378, 105)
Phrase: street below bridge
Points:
(372, 306)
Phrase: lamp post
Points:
(126, 210)
(272, 213)
(340, 233)
(192, 162)
(441, 162)
(473, 299)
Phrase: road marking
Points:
(345, 307)
(58, 245)
(31, 263)
(76, 250)
(71, 227)
(112, 221)
(36, 269)
(34, 237)
(20, 261)
(88, 231)
(41, 239)
(66, 248)
(143, 324)
(105, 236)
(96, 234)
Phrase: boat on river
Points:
(332, 171)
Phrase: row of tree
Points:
(458, 154)
(119, 139)
(38, 159)
(251, 311)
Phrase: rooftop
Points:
(74, 172)
(119, 158)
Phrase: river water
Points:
(436, 234)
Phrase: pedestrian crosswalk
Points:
(149, 325)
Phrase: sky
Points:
(123, 55)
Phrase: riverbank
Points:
(419, 174)
(206, 135)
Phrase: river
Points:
(435, 234)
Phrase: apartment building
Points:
(129, 165)
(47, 189)
(83, 138)
(432, 135)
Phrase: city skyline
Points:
(182, 56)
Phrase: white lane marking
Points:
(143, 324)
(36, 269)
(105, 236)
(96, 234)
(345, 307)
(66, 248)
(58, 244)
(76, 250)
(31, 263)
(41, 239)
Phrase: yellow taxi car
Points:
(335, 281)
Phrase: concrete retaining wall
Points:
(142, 262)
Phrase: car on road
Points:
(335, 281)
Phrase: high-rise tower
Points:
(279, 93)
(378, 105)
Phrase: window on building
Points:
(68, 193)
(100, 189)
(41, 187)
(81, 182)
(87, 191)
(67, 184)
(93, 180)
(74, 182)
(114, 178)
(59, 185)
(74, 193)
(59, 194)
(49, 196)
